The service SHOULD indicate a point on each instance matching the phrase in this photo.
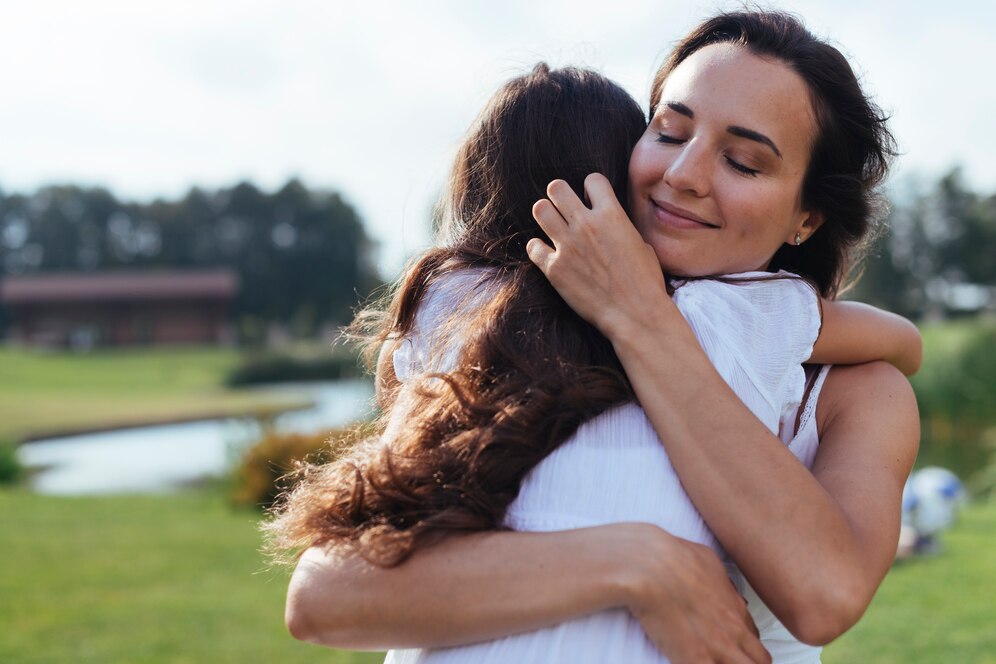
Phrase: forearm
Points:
(907, 348)
(790, 537)
(464, 589)
(853, 333)
(814, 545)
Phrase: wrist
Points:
(637, 563)
(659, 325)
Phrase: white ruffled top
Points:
(614, 468)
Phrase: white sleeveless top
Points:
(614, 468)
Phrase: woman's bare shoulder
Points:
(870, 411)
(873, 385)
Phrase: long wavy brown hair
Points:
(529, 371)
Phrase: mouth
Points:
(673, 216)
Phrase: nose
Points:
(690, 170)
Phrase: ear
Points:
(809, 222)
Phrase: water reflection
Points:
(159, 458)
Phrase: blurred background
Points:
(195, 198)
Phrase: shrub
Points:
(956, 391)
(11, 469)
(983, 483)
(277, 368)
(262, 474)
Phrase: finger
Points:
(751, 642)
(729, 650)
(748, 646)
(755, 651)
(540, 253)
(745, 612)
(599, 191)
(550, 220)
(570, 206)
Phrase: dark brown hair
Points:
(850, 156)
(530, 370)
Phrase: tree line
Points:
(937, 256)
(303, 256)
(305, 259)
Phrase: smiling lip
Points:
(676, 217)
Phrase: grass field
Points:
(178, 579)
(140, 579)
(44, 392)
(937, 609)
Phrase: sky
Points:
(371, 98)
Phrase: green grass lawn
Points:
(934, 609)
(43, 392)
(141, 579)
(178, 579)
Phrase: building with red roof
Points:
(120, 308)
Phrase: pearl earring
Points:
(798, 239)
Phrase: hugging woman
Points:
(505, 409)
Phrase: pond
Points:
(161, 458)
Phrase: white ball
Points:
(931, 499)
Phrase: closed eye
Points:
(670, 140)
(740, 168)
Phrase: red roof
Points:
(103, 286)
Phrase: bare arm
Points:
(829, 535)
(487, 585)
(824, 549)
(853, 333)
(462, 590)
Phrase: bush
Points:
(956, 392)
(282, 368)
(262, 474)
(11, 469)
(983, 483)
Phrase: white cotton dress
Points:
(614, 468)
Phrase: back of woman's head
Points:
(850, 155)
(529, 370)
(547, 124)
(544, 125)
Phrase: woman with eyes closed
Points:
(761, 155)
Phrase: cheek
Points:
(762, 212)
(635, 165)
(645, 163)
(785, 202)
(742, 205)
(756, 222)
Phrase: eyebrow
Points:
(742, 132)
(678, 107)
(752, 135)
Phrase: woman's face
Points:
(716, 180)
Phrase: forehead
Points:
(728, 85)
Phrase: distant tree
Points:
(967, 253)
(937, 257)
(303, 256)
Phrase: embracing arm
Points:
(815, 545)
(488, 585)
(463, 589)
(467, 588)
(853, 333)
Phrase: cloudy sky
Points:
(370, 98)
